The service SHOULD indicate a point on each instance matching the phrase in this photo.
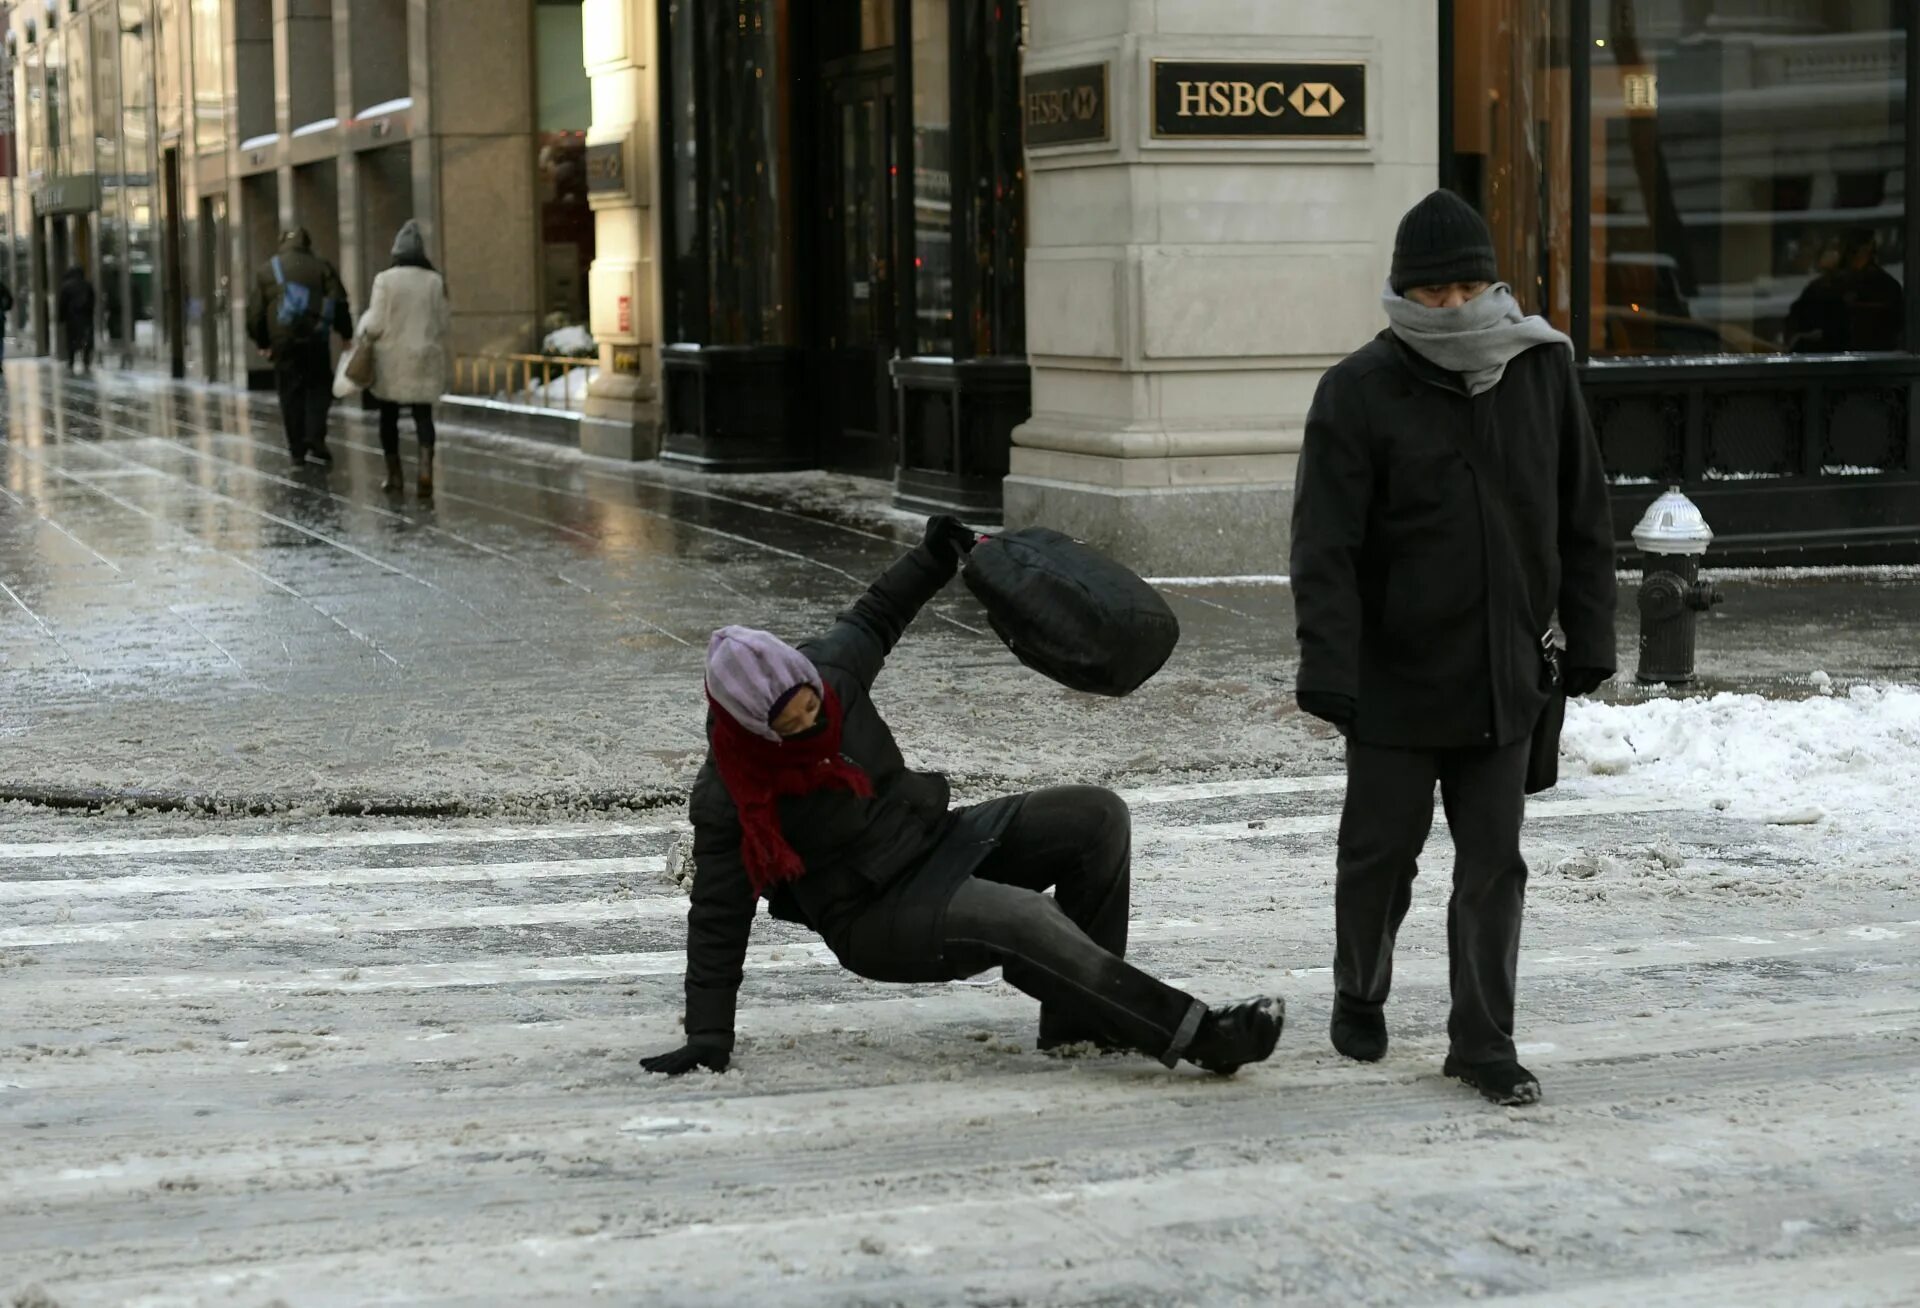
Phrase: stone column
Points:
(623, 404)
(1184, 294)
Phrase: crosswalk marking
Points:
(156, 930)
(119, 887)
(331, 839)
(1260, 828)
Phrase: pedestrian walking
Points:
(805, 800)
(1450, 501)
(407, 327)
(6, 320)
(74, 306)
(297, 298)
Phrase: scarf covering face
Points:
(1477, 340)
(750, 677)
(759, 772)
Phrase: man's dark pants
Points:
(1388, 815)
(303, 374)
(80, 345)
(1068, 950)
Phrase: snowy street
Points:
(324, 1065)
(279, 1053)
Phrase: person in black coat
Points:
(1422, 591)
(75, 304)
(806, 800)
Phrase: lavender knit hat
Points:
(752, 674)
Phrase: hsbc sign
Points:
(1233, 100)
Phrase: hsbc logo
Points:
(1229, 99)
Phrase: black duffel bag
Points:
(1071, 613)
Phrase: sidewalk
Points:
(188, 617)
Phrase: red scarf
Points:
(758, 771)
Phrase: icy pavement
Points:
(183, 614)
(335, 1063)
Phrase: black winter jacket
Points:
(1407, 596)
(854, 848)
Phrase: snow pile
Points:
(1770, 760)
(573, 342)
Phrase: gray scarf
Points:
(1476, 340)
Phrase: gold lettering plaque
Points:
(1066, 106)
(1217, 99)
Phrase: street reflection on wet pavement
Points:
(183, 609)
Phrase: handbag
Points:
(1543, 749)
(360, 363)
(1071, 613)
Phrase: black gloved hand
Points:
(708, 1051)
(948, 539)
(1328, 706)
(1584, 681)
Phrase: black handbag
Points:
(1071, 613)
(1543, 753)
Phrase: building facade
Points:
(164, 146)
(1082, 262)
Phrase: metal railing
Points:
(524, 378)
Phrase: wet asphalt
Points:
(185, 612)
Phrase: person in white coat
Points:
(407, 326)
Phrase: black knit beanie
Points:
(1442, 240)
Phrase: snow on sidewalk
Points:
(1852, 757)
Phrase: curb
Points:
(96, 798)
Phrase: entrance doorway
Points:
(856, 291)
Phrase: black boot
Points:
(320, 454)
(1242, 1033)
(1503, 1081)
(396, 475)
(426, 471)
(1361, 1036)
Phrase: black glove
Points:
(1328, 706)
(948, 538)
(709, 1051)
(1584, 681)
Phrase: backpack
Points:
(296, 312)
(1071, 613)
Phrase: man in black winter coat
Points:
(901, 887)
(1450, 503)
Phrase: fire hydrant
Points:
(1672, 536)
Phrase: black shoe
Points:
(1503, 1081)
(1229, 1038)
(1360, 1036)
(321, 455)
(299, 458)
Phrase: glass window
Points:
(79, 103)
(209, 78)
(1510, 153)
(996, 185)
(748, 236)
(166, 72)
(136, 146)
(932, 178)
(1748, 183)
(686, 311)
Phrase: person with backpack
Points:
(297, 298)
(805, 800)
(1450, 502)
(73, 308)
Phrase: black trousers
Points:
(80, 345)
(303, 374)
(1388, 815)
(1068, 950)
(390, 427)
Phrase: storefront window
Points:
(136, 154)
(686, 276)
(748, 236)
(996, 182)
(566, 219)
(209, 78)
(1509, 141)
(1748, 182)
(932, 178)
